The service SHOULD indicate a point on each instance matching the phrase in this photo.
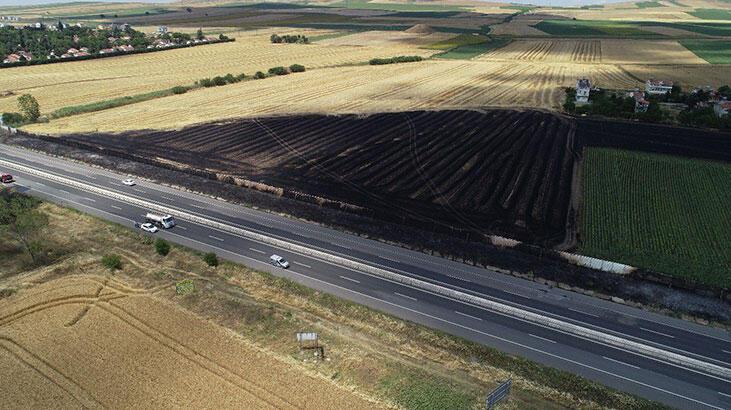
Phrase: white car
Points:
(148, 227)
(129, 182)
(279, 261)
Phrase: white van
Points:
(163, 221)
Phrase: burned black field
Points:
(500, 172)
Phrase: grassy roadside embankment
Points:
(378, 355)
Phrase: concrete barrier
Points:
(512, 311)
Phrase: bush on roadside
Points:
(162, 247)
(184, 287)
(241, 77)
(219, 81)
(259, 75)
(230, 79)
(112, 262)
(297, 68)
(179, 90)
(206, 82)
(211, 259)
(278, 71)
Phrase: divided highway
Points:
(671, 383)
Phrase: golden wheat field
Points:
(95, 342)
(436, 84)
(82, 82)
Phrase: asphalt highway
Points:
(672, 384)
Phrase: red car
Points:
(6, 178)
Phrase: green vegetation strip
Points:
(458, 41)
(711, 14)
(367, 5)
(648, 4)
(668, 214)
(116, 102)
(600, 28)
(715, 52)
(469, 51)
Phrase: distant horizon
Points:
(543, 3)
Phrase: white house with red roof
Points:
(653, 86)
(722, 108)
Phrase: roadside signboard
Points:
(498, 394)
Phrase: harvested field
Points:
(387, 38)
(503, 172)
(645, 51)
(96, 342)
(439, 84)
(688, 75)
(517, 27)
(550, 51)
(75, 83)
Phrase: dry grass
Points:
(647, 51)
(75, 83)
(387, 38)
(75, 335)
(361, 89)
(518, 27)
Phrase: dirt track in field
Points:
(94, 342)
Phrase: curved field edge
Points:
(665, 213)
(372, 353)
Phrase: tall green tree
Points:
(29, 106)
(21, 219)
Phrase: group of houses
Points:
(655, 87)
(16, 57)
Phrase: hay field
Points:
(686, 75)
(647, 51)
(74, 83)
(518, 27)
(387, 38)
(95, 342)
(607, 51)
(359, 89)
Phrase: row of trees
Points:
(231, 79)
(289, 38)
(394, 60)
(609, 104)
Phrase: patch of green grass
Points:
(711, 14)
(116, 102)
(668, 214)
(329, 36)
(522, 9)
(185, 287)
(648, 4)
(469, 51)
(715, 52)
(711, 29)
(418, 391)
(458, 41)
(596, 28)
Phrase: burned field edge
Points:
(659, 291)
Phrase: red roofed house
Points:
(11, 58)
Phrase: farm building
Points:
(653, 86)
(583, 87)
(722, 108)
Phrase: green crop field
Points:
(467, 51)
(715, 52)
(712, 14)
(457, 41)
(711, 29)
(668, 214)
(648, 4)
(591, 28)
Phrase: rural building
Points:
(653, 86)
(722, 108)
(162, 29)
(641, 103)
(106, 51)
(9, 18)
(11, 58)
(583, 87)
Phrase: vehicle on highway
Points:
(129, 182)
(161, 221)
(6, 178)
(149, 227)
(278, 261)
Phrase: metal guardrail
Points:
(535, 318)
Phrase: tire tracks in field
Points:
(50, 373)
(198, 358)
